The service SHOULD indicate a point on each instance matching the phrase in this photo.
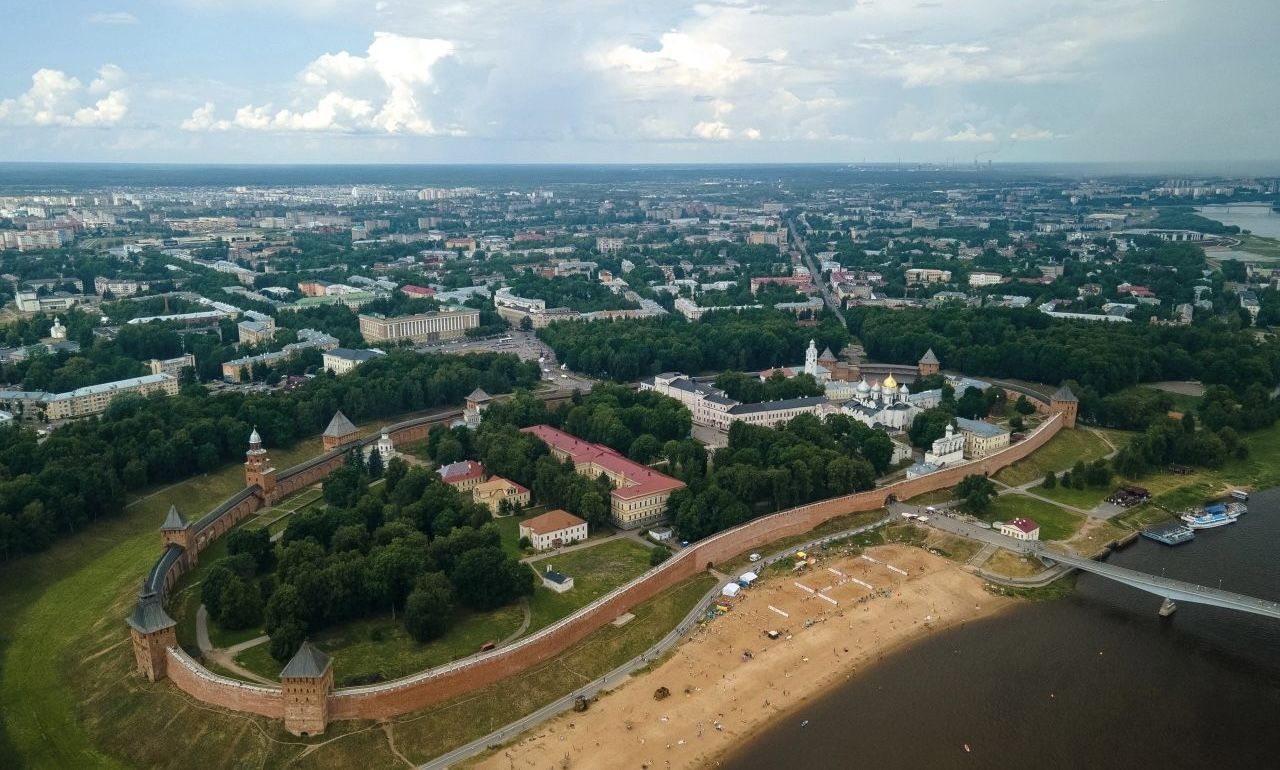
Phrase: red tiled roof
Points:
(641, 479)
(551, 521)
(1026, 525)
(464, 470)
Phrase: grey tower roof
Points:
(827, 355)
(1064, 394)
(929, 357)
(307, 663)
(339, 426)
(173, 520)
(479, 395)
(148, 614)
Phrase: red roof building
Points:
(640, 493)
(463, 475)
(417, 291)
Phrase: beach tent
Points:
(731, 589)
(747, 578)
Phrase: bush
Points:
(658, 554)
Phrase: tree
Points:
(241, 605)
(1050, 480)
(972, 404)
(375, 465)
(658, 554)
(592, 508)
(1023, 406)
(975, 493)
(428, 609)
(212, 587)
(485, 578)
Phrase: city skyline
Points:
(226, 81)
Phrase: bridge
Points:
(1171, 590)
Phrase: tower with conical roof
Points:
(929, 363)
(257, 466)
(476, 403)
(339, 433)
(1065, 403)
(176, 530)
(306, 681)
(152, 632)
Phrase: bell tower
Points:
(257, 466)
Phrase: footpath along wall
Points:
(159, 656)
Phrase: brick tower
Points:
(306, 681)
(1065, 401)
(152, 631)
(257, 467)
(339, 433)
(176, 530)
(929, 363)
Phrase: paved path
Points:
(524, 624)
(1102, 510)
(226, 657)
(620, 673)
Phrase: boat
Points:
(1237, 509)
(1207, 520)
(1240, 494)
(1173, 534)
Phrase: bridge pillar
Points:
(1167, 608)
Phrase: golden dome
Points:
(890, 383)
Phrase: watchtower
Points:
(176, 530)
(339, 433)
(257, 466)
(1065, 402)
(476, 403)
(306, 681)
(929, 363)
(152, 632)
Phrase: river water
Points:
(1096, 680)
(1257, 218)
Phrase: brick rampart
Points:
(199, 682)
(436, 685)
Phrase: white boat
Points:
(1204, 520)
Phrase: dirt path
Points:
(225, 658)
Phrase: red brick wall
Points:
(415, 692)
(197, 681)
(421, 690)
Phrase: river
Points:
(1096, 680)
(1257, 218)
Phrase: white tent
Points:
(731, 589)
(747, 578)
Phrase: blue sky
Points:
(662, 80)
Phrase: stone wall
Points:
(411, 693)
(199, 682)
(417, 691)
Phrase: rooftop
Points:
(1024, 525)
(551, 521)
(460, 471)
(309, 662)
(980, 427)
(641, 479)
(339, 426)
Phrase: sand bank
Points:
(729, 678)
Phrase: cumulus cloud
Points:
(58, 99)
(385, 91)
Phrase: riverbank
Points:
(729, 678)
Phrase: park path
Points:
(524, 625)
(226, 657)
(539, 556)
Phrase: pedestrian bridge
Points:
(1171, 590)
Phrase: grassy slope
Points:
(1060, 453)
(68, 602)
(595, 571)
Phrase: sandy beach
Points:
(729, 677)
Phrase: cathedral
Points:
(886, 404)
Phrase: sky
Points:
(422, 81)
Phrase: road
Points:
(620, 673)
(827, 296)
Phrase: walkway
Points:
(226, 658)
(541, 555)
(1168, 588)
(619, 674)
(832, 303)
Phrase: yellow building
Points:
(491, 493)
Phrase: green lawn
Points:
(1266, 247)
(61, 607)
(1080, 498)
(595, 571)
(1055, 523)
(1059, 454)
(378, 648)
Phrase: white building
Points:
(553, 529)
(343, 360)
(946, 450)
(1020, 529)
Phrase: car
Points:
(931, 509)
(684, 543)
(922, 518)
(754, 557)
